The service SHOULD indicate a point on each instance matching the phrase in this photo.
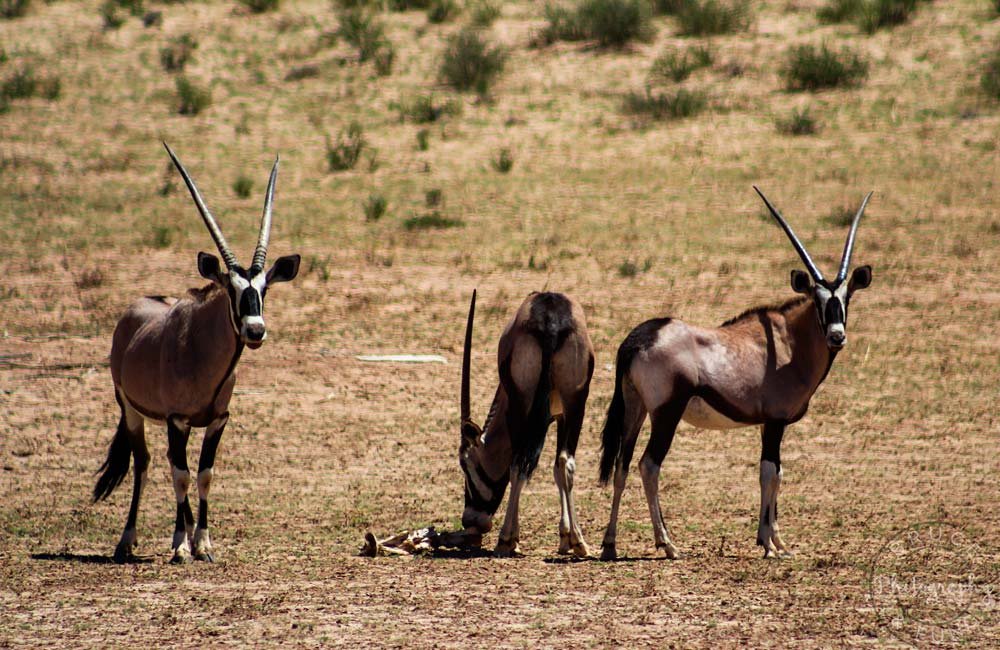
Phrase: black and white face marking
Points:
(246, 297)
(832, 301)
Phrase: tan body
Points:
(507, 448)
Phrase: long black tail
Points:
(639, 339)
(116, 465)
(551, 321)
(614, 425)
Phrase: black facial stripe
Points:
(834, 311)
(250, 304)
(477, 501)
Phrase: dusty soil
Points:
(323, 447)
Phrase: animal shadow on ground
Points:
(87, 558)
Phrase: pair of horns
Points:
(260, 253)
(845, 260)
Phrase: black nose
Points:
(837, 338)
(255, 332)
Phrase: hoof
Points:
(581, 550)
(506, 549)
(669, 551)
(204, 556)
(123, 554)
(609, 553)
(181, 558)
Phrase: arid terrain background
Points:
(634, 216)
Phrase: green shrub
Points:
(134, 7)
(363, 31)
(177, 53)
(799, 122)
(808, 67)
(470, 63)
(990, 80)
(707, 17)
(50, 88)
(110, 15)
(407, 5)
(876, 14)
(433, 197)
(345, 152)
(422, 109)
(484, 12)
(161, 236)
(193, 98)
(840, 11)
(668, 7)
(609, 22)
(503, 161)
(674, 65)
(423, 139)
(14, 8)
(442, 11)
(242, 186)
(375, 207)
(666, 105)
(630, 269)
(260, 6)
(21, 84)
(384, 58)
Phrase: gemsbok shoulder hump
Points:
(173, 361)
(760, 368)
(546, 361)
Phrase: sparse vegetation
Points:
(812, 68)
(799, 122)
(89, 279)
(345, 152)
(677, 65)
(423, 139)
(374, 207)
(21, 84)
(14, 8)
(177, 53)
(384, 58)
(482, 13)
(441, 11)
(630, 269)
(503, 161)
(433, 197)
(470, 62)
(363, 30)
(840, 11)
(431, 221)
(260, 6)
(243, 186)
(990, 79)
(422, 109)
(110, 15)
(161, 236)
(707, 17)
(609, 22)
(192, 97)
(664, 105)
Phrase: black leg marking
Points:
(203, 514)
(771, 436)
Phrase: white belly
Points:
(698, 413)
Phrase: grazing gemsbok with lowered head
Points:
(546, 361)
(761, 367)
(174, 360)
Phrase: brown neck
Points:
(497, 453)
(807, 341)
(213, 338)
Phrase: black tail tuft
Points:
(639, 339)
(116, 465)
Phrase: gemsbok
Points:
(546, 361)
(760, 368)
(173, 360)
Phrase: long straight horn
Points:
(213, 227)
(260, 253)
(466, 362)
(817, 276)
(845, 261)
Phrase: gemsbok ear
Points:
(285, 269)
(801, 282)
(860, 279)
(209, 268)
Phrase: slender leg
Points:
(770, 484)
(635, 415)
(202, 541)
(664, 424)
(570, 535)
(510, 533)
(177, 439)
(135, 425)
